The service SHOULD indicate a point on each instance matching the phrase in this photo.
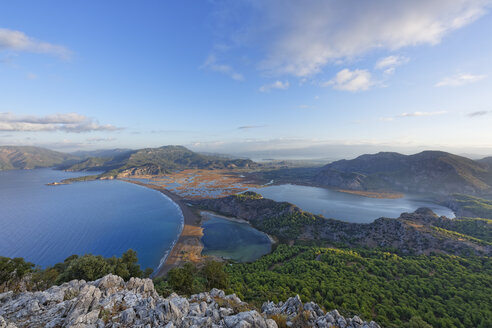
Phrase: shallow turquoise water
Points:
(46, 224)
(347, 207)
(233, 240)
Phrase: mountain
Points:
(25, 157)
(151, 161)
(428, 171)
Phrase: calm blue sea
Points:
(348, 207)
(46, 224)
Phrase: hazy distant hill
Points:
(158, 161)
(25, 157)
(428, 171)
(101, 152)
(486, 161)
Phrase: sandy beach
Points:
(188, 247)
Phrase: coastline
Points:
(188, 246)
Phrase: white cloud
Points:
(347, 80)
(275, 85)
(412, 114)
(19, 41)
(71, 122)
(212, 64)
(389, 64)
(459, 80)
(300, 37)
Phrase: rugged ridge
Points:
(112, 302)
(416, 232)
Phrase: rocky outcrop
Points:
(112, 302)
(297, 314)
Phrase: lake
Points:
(46, 224)
(233, 240)
(347, 207)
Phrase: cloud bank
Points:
(71, 122)
(300, 37)
(19, 41)
(459, 80)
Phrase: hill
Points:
(26, 157)
(428, 171)
(486, 161)
(153, 161)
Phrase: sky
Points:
(258, 78)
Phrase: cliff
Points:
(111, 302)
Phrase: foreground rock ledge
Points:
(111, 302)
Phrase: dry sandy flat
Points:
(198, 183)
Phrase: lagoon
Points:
(347, 207)
(233, 240)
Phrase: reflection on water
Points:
(347, 207)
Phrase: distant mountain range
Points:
(25, 157)
(152, 161)
(428, 171)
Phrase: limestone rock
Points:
(109, 302)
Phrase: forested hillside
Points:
(25, 157)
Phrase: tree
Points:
(215, 275)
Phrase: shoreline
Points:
(188, 245)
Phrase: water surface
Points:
(46, 224)
(233, 240)
(347, 207)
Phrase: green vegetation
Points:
(474, 227)
(457, 235)
(88, 267)
(158, 161)
(248, 195)
(445, 291)
(26, 157)
(290, 225)
(190, 279)
(477, 207)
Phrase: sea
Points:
(46, 224)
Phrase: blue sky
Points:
(317, 78)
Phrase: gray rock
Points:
(109, 302)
